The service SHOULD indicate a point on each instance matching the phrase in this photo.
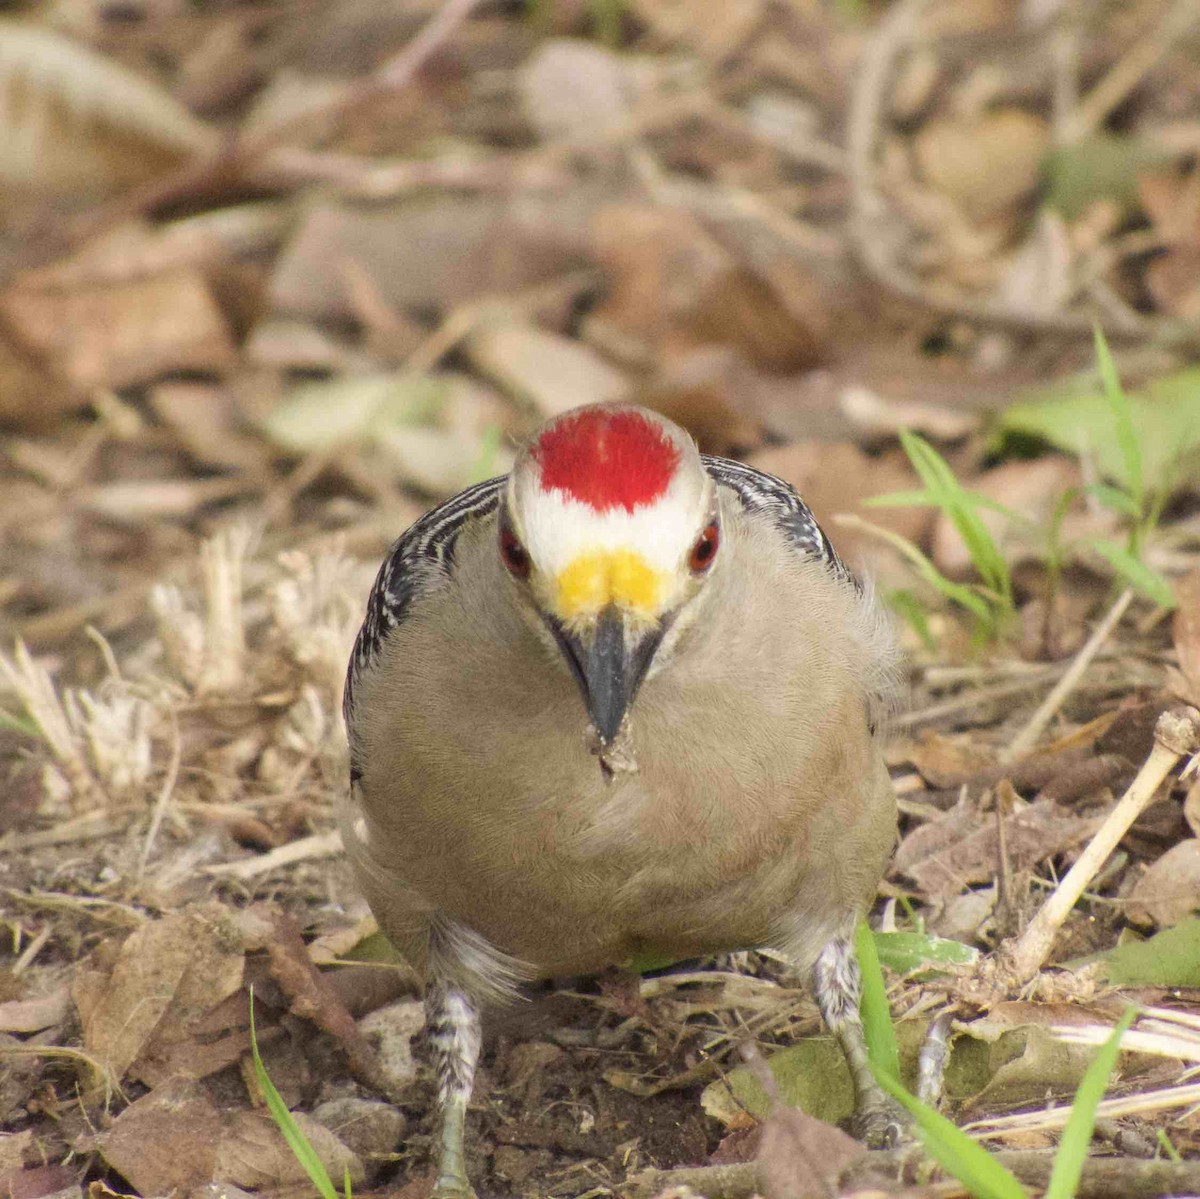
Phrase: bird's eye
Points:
(515, 556)
(705, 549)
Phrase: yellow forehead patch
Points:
(621, 577)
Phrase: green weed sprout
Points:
(990, 601)
(1130, 497)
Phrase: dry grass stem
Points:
(222, 560)
(319, 845)
(1027, 738)
(164, 798)
(1176, 734)
(1143, 1104)
(1131, 69)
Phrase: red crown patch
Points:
(606, 459)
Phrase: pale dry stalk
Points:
(221, 560)
(1176, 734)
(1027, 738)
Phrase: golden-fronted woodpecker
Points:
(617, 703)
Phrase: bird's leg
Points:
(454, 1032)
(837, 985)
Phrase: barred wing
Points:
(778, 502)
(421, 557)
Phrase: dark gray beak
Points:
(609, 662)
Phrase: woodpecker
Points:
(617, 703)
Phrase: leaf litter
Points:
(228, 379)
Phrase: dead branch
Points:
(1103, 1178)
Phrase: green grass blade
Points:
(1077, 1136)
(906, 952)
(1136, 573)
(962, 509)
(20, 724)
(901, 499)
(1115, 498)
(958, 592)
(953, 1150)
(882, 1051)
(1166, 1145)
(297, 1142)
(909, 608)
(968, 1161)
(1122, 411)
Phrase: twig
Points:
(319, 845)
(1177, 733)
(394, 75)
(1143, 1103)
(1130, 69)
(1027, 738)
(1102, 1178)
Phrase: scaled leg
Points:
(452, 1018)
(837, 985)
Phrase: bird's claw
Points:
(452, 1188)
(880, 1125)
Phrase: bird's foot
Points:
(880, 1123)
(452, 1187)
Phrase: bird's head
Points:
(610, 528)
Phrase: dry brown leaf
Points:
(166, 975)
(1169, 891)
(32, 394)
(33, 1015)
(432, 254)
(799, 1156)
(114, 336)
(205, 420)
(658, 262)
(711, 393)
(548, 372)
(1185, 631)
(673, 287)
(572, 86)
(1173, 279)
(1038, 278)
(13, 1148)
(312, 998)
(948, 761)
(985, 164)
(879, 417)
(175, 1138)
(712, 28)
(961, 847)
(73, 120)
(1172, 202)
(33, 1182)
(212, 1041)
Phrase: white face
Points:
(584, 556)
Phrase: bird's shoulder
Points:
(418, 561)
(766, 497)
